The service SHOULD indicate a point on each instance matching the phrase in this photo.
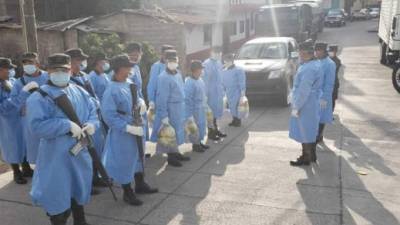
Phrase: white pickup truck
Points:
(389, 38)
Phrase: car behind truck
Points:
(389, 38)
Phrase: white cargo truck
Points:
(389, 38)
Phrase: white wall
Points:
(195, 39)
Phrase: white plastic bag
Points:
(166, 142)
(243, 108)
(192, 134)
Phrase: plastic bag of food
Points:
(192, 134)
(225, 101)
(243, 108)
(210, 116)
(151, 115)
(166, 142)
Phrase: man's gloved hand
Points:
(138, 131)
(295, 113)
(30, 86)
(165, 121)
(152, 105)
(143, 107)
(323, 104)
(88, 128)
(191, 119)
(242, 93)
(76, 131)
(290, 98)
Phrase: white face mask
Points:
(228, 64)
(83, 65)
(30, 69)
(172, 66)
(331, 54)
(11, 73)
(106, 67)
(60, 79)
(216, 55)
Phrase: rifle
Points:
(137, 121)
(66, 107)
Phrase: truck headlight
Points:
(275, 74)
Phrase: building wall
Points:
(49, 42)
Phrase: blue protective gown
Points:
(170, 102)
(121, 155)
(212, 77)
(156, 69)
(59, 176)
(305, 98)
(11, 137)
(328, 83)
(234, 81)
(31, 141)
(195, 104)
(99, 136)
(99, 83)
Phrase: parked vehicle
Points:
(374, 12)
(335, 17)
(300, 20)
(362, 14)
(389, 38)
(270, 64)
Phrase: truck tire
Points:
(383, 54)
(396, 78)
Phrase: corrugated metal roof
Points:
(62, 25)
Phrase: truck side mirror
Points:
(396, 28)
(294, 55)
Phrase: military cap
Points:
(321, 46)
(6, 63)
(59, 60)
(216, 49)
(228, 57)
(306, 46)
(196, 64)
(99, 56)
(76, 53)
(166, 47)
(134, 46)
(333, 48)
(171, 55)
(29, 57)
(120, 61)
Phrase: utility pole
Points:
(28, 21)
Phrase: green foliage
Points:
(93, 43)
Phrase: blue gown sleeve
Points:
(163, 92)
(189, 99)
(18, 96)
(206, 77)
(41, 119)
(152, 85)
(303, 92)
(7, 107)
(242, 79)
(329, 83)
(110, 113)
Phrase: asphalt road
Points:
(247, 179)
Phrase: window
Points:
(234, 28)
(263, 51)
(242, 26)
(235, 2)
(207, 34)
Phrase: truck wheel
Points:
(396, 78)
(383, 54)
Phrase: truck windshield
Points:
(334, 13)
(263, 51)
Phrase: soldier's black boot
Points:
(304, 159)
(78, 213)
(173, 161)
(314, 153)
(18, 176)
(129, 196)
(198, 148)
(217, 131)
(60, 219)
(204, 146)
(212, 135)
(236, 122)
(26, 169)
(141, 187)
(181, 157)
(320, 137)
